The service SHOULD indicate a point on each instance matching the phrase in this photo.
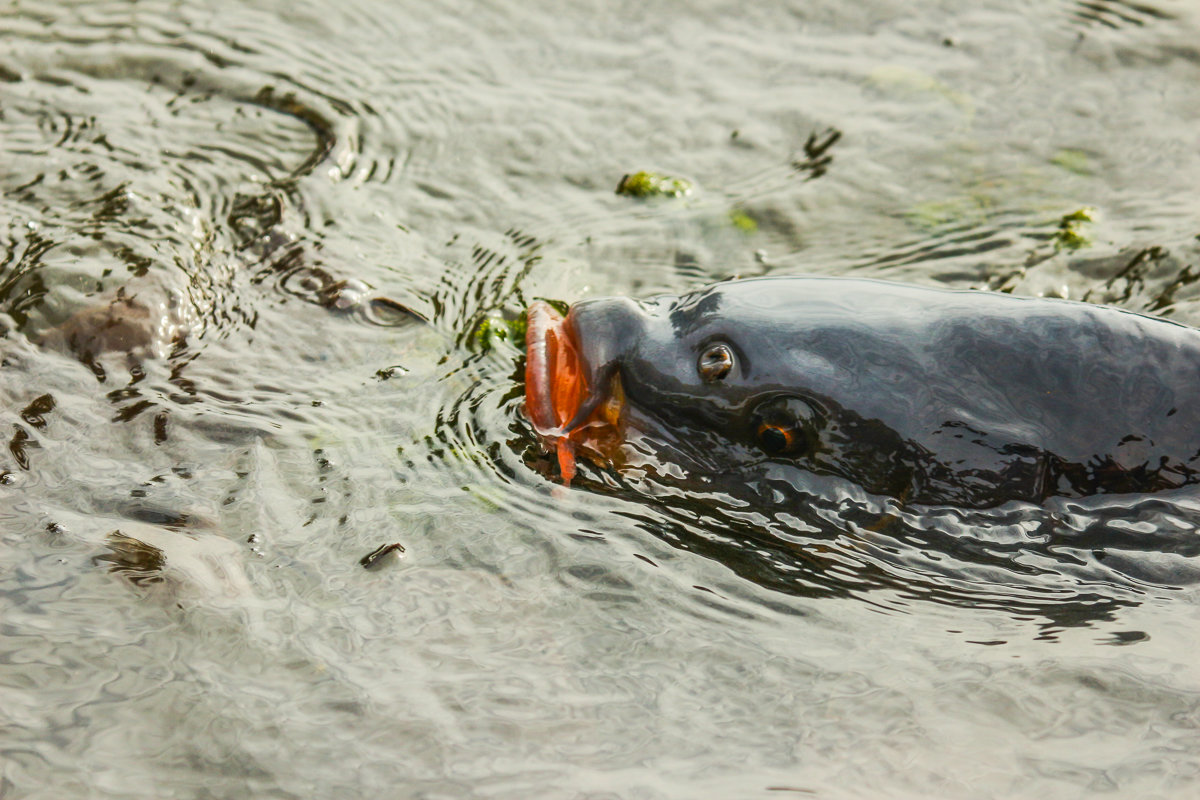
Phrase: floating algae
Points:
(650, 184)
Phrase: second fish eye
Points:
(715, 362)
(786, 426)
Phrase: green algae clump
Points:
(492, 329)
(650, 184)
(1070, 235)
(743, 221)
(1075, 161)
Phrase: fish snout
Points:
(610, 326)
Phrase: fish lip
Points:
(553, 355)
(547, 342)
(564, 394)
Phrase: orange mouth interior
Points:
(556, 387)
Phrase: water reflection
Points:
(321, 223)
(1060, 566)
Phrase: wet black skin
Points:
(926, 395)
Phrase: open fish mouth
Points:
(572, 407)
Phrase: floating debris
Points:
(743, 221)
(651, 184)
(382, 556)
(1075, 161)
(1070, 235)
(492, 329)
(817, 157)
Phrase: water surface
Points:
(183, 516)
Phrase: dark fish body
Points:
(931, 396)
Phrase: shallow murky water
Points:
(255, 271)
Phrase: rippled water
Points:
(255, 271)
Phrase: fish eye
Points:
(776, 439)
(785, 425)
(715, 362)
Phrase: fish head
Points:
(712, 379)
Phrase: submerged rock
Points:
(145, 323)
